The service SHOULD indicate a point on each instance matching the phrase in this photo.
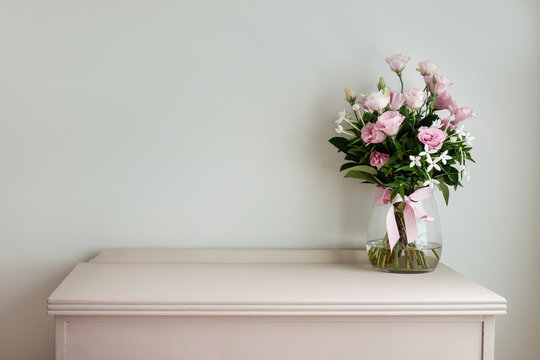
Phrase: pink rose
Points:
(460, 114)
(376, 101)
(389, 122)
(397, 62)
(427, 67)
(396, 100)
(431, 136)
(371, 134)
(415, 98)
(377, 159)
(444, 101)
(441, 83)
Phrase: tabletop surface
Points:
(180, 286)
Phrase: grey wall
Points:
(205, 123)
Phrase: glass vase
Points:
(418, 255)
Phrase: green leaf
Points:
(469, 157)
(444, 189)
(452, 176)
(405, 168)
(358, 150)
(393, 184)
(347, 166)
(428, 120)
(351, 157)
(363, 176)
(386, 170)
(398, 146)
(365, 168)
(370, 117)
(341, 143)
(395, 191)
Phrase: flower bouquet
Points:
(406, 143)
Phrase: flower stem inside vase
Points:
(405, 257)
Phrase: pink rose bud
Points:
(397, 100)
(389, 122)
(441, 83)
(376, 101)
(431, 136)
(427, 67)
(377, 159)
(371, 134)
(397, 62)
(415, 98)
(445, 101)
(460, 114)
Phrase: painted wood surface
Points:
(272, 338)
(266, 305)
(231, 288)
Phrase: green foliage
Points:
(347, 166)
(341, 143)
(444, 189)
(364, 168)
(362, 176)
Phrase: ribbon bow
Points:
(411, 212)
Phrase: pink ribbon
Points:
(411, 212)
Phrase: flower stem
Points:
(359, 119)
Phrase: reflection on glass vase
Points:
(417, 255)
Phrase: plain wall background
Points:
(203, 124)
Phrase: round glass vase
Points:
(417, 256)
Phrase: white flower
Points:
(415, 161)
(465, 174)
(464, 171)
(460, 131)
(432, 163)
(465, 135)
(443, 157)
(437, 123)
(356, 107)
(469, 139)
(431, 182)
(453, 139)
(427, 151)
(459, 166)
(342, 116)
(340, 130)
